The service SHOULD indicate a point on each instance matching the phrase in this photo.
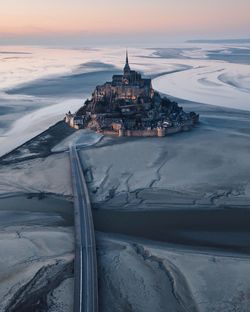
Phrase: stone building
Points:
(129, 106)
(128, 87)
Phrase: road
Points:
(85, 287)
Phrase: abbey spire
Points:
(126, 67)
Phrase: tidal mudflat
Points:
(37, 252)
(171, 213)
(178, 231)
(178, 212)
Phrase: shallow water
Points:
(27, 210)
(224, 229)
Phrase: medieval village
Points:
(129, 106)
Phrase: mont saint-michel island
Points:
(124, 156)
(129, 106)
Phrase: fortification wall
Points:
(110, 132)
(141, 133)
(147, 133)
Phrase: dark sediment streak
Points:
(33, 296)
(40, 145)
(223, 229)
(36, 209)
(68, 86)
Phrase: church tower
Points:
(126, 70)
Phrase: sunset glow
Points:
(29, 17)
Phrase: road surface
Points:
(86, 287)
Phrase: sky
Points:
(72, 20)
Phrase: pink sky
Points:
(73, 17)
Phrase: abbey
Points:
(128, 87)
(129, 106)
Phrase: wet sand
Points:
(225, 230)
(37, 252)
(34, 210)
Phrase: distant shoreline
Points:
(232, 41)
